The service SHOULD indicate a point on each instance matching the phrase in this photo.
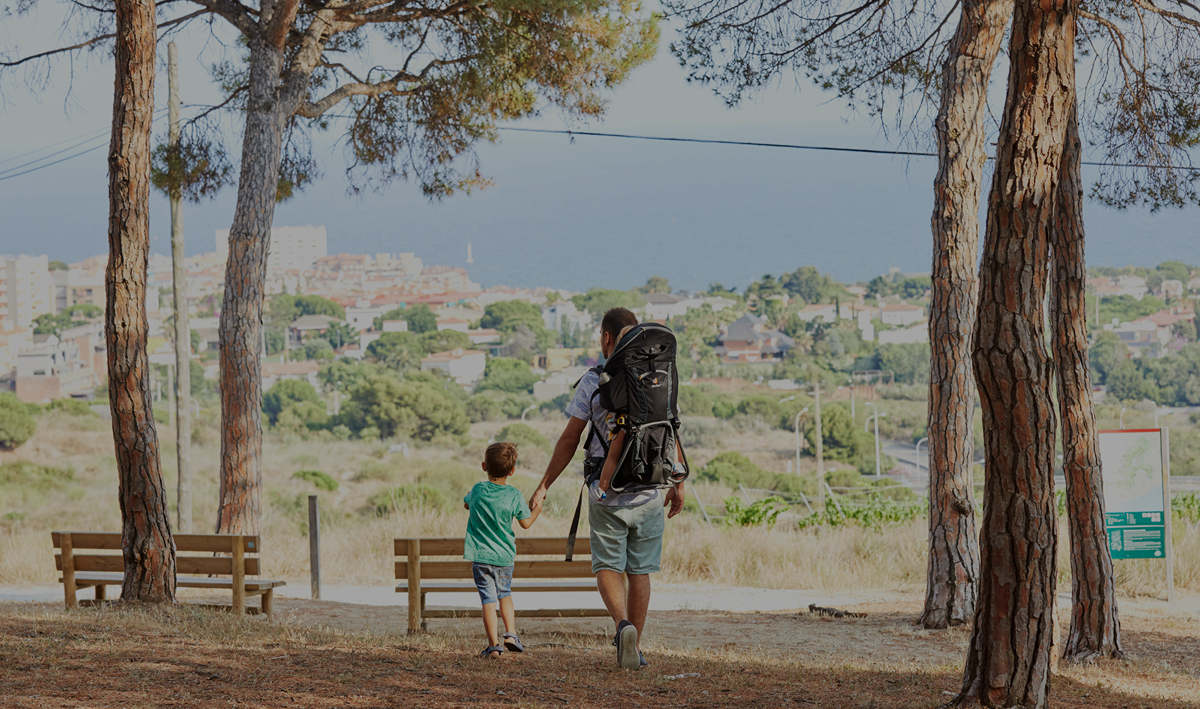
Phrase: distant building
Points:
(26, 290)
(464, 366)
(55, 367)
(292, 248)
(751, 339)
(306, 325)
(901, 315)
(395, 326)
(1171, 288)
(904, 336)
(558, 383)
(663, 306)
(275, 372)
(825, 311)
(563, 315)
(456, 324)
(484, 335)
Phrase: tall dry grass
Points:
(357, 539)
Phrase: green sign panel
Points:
(1134, 479)
(1136, 535)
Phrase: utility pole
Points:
(183, 336)
(820, 453)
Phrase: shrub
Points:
(763, 406)
(732, 468)
(375, 470)
(285, 394)
(509, 375)
(341, 432)
(701, 433)
(694, 402)
(766, 511)
(485, 408)
(31, 475)
(370, 433)
(406, 497)
(724, 409)
(74, 407)
(407, 409)
(319, 480)
(841, 439)
(522, 435)
(16, 423)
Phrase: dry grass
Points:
(357, 542)
(187, 657)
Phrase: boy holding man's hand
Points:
(491, 545)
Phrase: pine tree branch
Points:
(96, 40)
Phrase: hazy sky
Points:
(598, 212)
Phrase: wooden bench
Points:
(100, 570)
(529, 576)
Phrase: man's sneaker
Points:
(626, 642)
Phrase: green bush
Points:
(406, 497)
(375, 470)
(876, 512)
(31, 475)
(523, 435)
(74, 407)
(724, 409)
(701, 433)
(841, 439)
(288, 393)
(766, 511)
(403, 409)
(508, 375)
(319, 480)
(16, 422)
(485, 408)
(732, 468)
(694, 402)
(763, 406)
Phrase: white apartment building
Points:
(464, 366)
(26, 290)
(293, 248)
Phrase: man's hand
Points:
(538, 496)
(675, 498)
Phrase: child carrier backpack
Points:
(639, 384)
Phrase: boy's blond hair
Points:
(501, 459)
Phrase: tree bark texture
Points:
(146, 541)
(183, 335)
(267, 111)
(952, 581)
(1095, 628)
(1008, 660)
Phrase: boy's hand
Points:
(538, 496)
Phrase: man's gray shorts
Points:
(627, 539)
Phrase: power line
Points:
(790, 146)
(79, 140)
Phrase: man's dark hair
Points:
(616, 320)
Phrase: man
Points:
(626, 528)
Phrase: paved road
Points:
(916, 471)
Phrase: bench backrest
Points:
(184, 565)
(418, 551)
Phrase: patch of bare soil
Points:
(324, 654)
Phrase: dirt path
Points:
(328, 654)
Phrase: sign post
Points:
(1137, 496)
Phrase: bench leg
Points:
(100, 595)
(268, 604)
(424, 622)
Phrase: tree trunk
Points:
(146, 541)
(1095, 628)
(1008, 661)
(245, 276)
(183, 335)
(952, 583)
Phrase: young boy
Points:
(491, 545)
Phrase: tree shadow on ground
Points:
(192, 658)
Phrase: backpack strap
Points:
(575, 524)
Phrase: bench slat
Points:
(115, 579)
(183, 542)
(521, 569)
(525, 586)
(183, 564)
(526, 546)
(521, 613)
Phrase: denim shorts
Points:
(493, 582)
(627, 539)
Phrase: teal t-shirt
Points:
(490, 538)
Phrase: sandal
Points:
(487, 652)
(512, 642)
